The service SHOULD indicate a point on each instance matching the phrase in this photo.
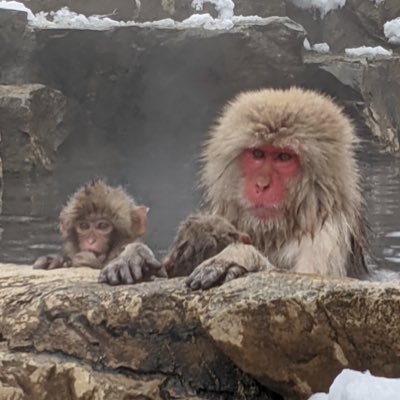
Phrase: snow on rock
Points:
(395, 234)
(391, 29)
(324, 6)
(223, 7)
(16, 5)
(66, 19)
(370, 52)
(318, 47)
(355, 385)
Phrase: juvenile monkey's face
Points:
(94, 235)
(267, 174)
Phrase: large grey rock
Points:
(359, 84)
(16, 42)
(292, 333)
(30, 117)
(142, 340)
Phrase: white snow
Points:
(223, 7)
(318, 47)
(355, 385)
(324, 6)
(370, 52)
(16, 5)
(66, 19)
(391, 29)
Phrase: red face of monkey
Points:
(267, 171)
(94, 235)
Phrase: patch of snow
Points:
(16, 5)
(223, 7)
(355, 385)
(318, 47)
(324, 6)
(370, 52)
(377, 2)
(391, 29)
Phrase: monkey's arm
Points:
(235, 260)
(136, 263)
(52, 261)
(200, 237)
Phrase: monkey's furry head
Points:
(309, 123)
(98, 199)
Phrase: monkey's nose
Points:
(262, 185)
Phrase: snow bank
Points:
(15, 5)
(370, 52)
(324, 6)
(318, 47)
(354, 385)
(391, 29)
(66, 19)
(223, 7)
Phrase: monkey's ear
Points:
(139, 220)
(244, 238)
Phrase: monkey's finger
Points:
(194, 284)
(136, 271)
(212, 277)
(234, 272)
(41, 263)
(161, 272)
(193, 277)
(125, 274)
(111, 276)
(56, 262)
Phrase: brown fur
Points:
(323, 207)
(121, 258)
(97, 198)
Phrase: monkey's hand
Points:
(136, 263)
(200, 237)
(52, 261)
(234, 261)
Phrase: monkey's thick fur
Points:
(97, 198)
(322, 230)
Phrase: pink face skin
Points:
(94, 236)
(267, 171)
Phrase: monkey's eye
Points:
(83, 226)
(103, 225)
(284, 157)
(258, 154)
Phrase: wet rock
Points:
(292, 333)
(30, 116)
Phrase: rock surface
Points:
(30, 116)
(292, 333)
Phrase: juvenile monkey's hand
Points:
(52, 261)
(234, 261)
(136, 263)
(200, 237)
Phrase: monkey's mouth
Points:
(265, 212)
(100, 256)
